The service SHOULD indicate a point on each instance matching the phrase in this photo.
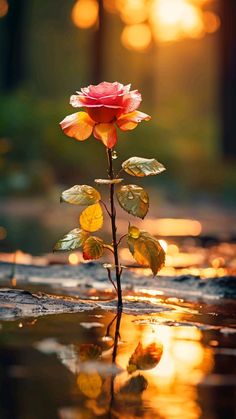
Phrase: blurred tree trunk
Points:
(14, 66)
(228, 76)
(150, 76)
(99, 46)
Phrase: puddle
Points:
(97, 364)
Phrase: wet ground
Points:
(169, 355)
(171, 359)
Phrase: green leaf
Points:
(140, 167)
(93, 248)
(147, 251)
(81, 195)
(72, 240)
(145, 358)
(134, 200)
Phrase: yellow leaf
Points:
(90, 384)
(147, 251)
(134, 232)
(91, 219)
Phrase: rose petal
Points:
(105, 88)
(103, 114)
(77, 101)
(130, 120)
(106, 133)
(131, 101)
(78, 125)
(84, 90)
(126, 88)
(114, 96)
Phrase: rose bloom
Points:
(107, 106)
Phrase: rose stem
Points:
(113, 227)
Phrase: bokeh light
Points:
(154, 20)
(173, 226)
(85, 13)
(137, 37)
(73, 259)
(176, 19)
(3, 233)
(133, 11)
(4, 6)
(211, 22)
(110, 6)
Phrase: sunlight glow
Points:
(172, 249)
(21, 257)
(110, 6)
(85, 13)
(158, 20)
(211, 22)
(183, 355)
(173, 227)
(136, 37)
(133, 11)
(164, 245)
(217, 262)
(176, 19)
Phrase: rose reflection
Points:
(140, 367)
(103, 396)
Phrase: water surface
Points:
(177, 364)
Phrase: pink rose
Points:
(106, 105)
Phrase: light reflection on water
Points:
(99, 364)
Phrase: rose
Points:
(107, 105)
(106, 101)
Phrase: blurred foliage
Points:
(179, 86)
